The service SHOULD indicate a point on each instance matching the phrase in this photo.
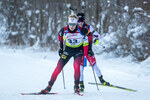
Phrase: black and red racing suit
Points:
(74, 48)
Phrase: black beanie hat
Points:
(81, 16)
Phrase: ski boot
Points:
(76, 88)
(46, 90)
(81, 86)
(103, 81)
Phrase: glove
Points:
(60, 52)
(90, 52)
(96, 41)
(84, 31)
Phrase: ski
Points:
(113, 86)
(80, 94)
(38, 93)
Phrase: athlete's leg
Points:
(81, 69)
(92, 61)
(81, 73)
(97, 70)
(77, 62)
(61, 63)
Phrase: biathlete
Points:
(73, 36)
(88, 53)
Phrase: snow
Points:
(83, 3)
(137, 9)
(14, 33)
(68, 5)
(145, 2)
(37, 11)
(32, 36)
(126, 8)
(137, 31)
(29, 13)
(23, 71)
(108, 1)
(26, 3)
(109, 39)
(3, 24)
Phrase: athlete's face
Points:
(72, 26)
(80, 23)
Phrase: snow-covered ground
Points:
(23, 71)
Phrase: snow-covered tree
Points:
(124, 25)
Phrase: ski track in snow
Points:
(25, 71)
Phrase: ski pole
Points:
(95, 78)
(63, 78)
(102, 46)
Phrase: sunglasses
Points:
(72, 24)
(80, 21)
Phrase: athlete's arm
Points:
(60, 38)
